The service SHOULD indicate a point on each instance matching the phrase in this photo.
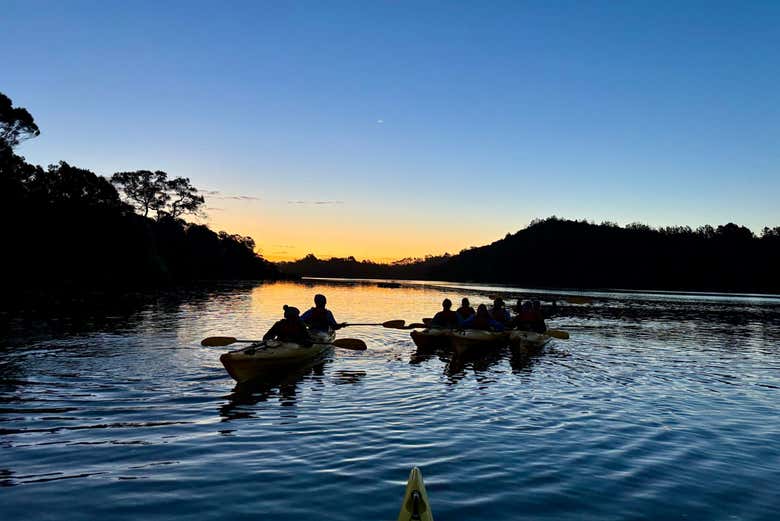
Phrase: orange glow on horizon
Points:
(282, 234)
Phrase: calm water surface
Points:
(658, 407)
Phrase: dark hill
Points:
(557, 253)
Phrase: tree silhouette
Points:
(16, 124)
(144, 189)
(183, 198)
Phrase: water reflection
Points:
(282, 387)
(117, 412)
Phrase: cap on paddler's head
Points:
(290, 311)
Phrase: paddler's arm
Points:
(272, 332)
(332, 322)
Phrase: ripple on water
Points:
(655, 409)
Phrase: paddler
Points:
(499, 312)
(483, 320)
(530, 317)
(290, 329)
(319, 317)
(465, 310)
(446, 318)
(537, 323)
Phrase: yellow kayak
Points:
(415, 506)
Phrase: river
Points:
(659, 406)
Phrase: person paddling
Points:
(290, 329)
(446, 318)
(319, 317)
(530, 317)
(483, 320)
(499, 312)
(465, 310)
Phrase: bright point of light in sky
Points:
(501, 113)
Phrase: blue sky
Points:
(491, 114)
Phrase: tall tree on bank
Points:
(183, 198)
(153, 191)
(16, 124)
(144, 189)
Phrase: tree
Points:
(144, 189)
(183, 198)
(16, 124)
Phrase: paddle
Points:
(344, 343)
(392, 324)
(416, 325)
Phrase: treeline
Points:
(349, 267)
(559, 253)
(66, 226)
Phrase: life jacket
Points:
(498, 314)
(318, 319)
(465, 312)
(481, 323)
(293, 328)
(447, 318)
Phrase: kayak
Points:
(528, 339)
(415, 506)
(247, 363)
(465, 340)
(431, 338)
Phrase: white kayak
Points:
(528, 339)
(246, 364)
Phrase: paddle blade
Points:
(556, 333)
(350, 343)
(218, 341)
(394, 324)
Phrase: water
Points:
(658, 407)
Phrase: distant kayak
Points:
(248, 363)
(469, 339)
(464, 341)
(528, 339)
(431, 338)
(415, 506)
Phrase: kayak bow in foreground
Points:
(415, 506)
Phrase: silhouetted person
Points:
(446, 317)
(290, 329)
(530, 317)
(319, 317)
(538, 315)
(465, 310)
(483, 320)
(499, 312)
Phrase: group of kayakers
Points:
(529, 316)
(295, 327)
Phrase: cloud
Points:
(315, 202)
(214, 209)
(380, 121)
(216, 194)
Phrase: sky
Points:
(386, 130)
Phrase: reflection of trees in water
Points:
(41, 316)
